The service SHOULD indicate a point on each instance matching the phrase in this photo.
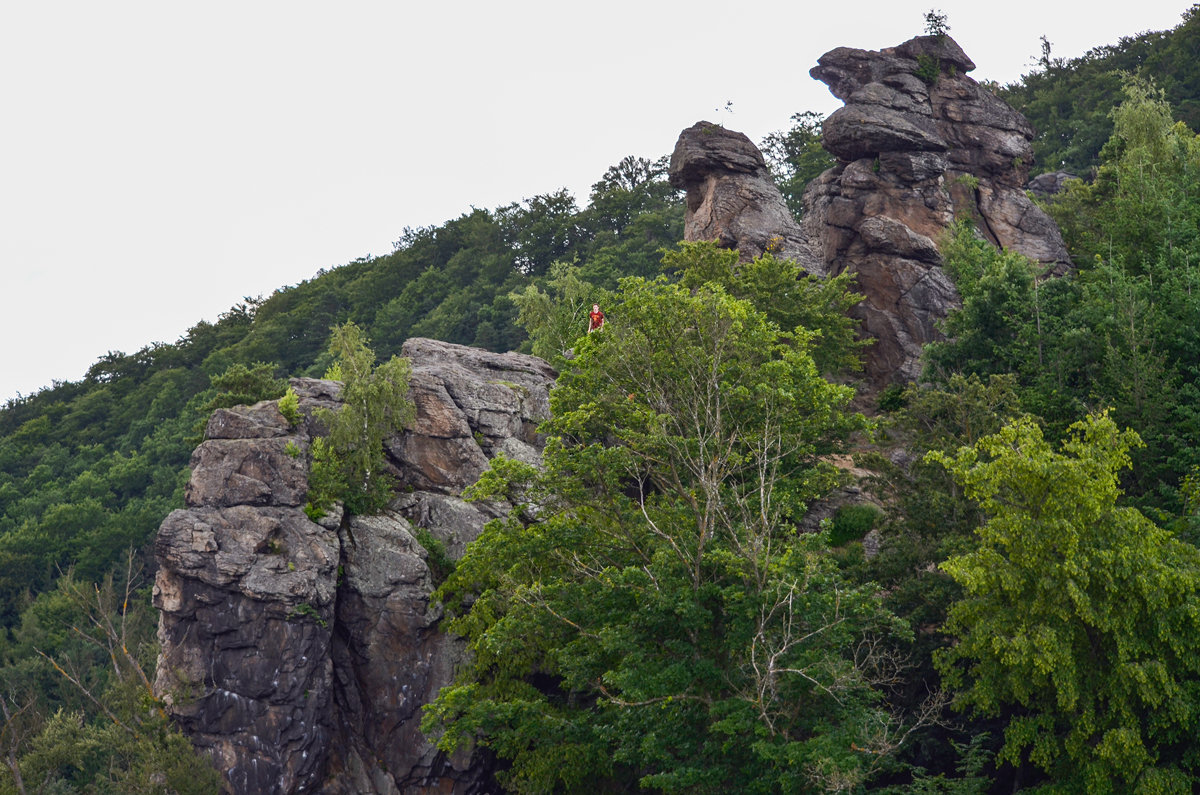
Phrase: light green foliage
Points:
(1142, 205)
(647, 615)
(304, 610)
(558, 316)
(786, 295)
(1078, 613)
(348, 462)
(289, 406)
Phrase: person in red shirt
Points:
(595, 318)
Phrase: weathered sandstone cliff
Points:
(918, 144)
(298, 653)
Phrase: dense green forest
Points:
(1047, 497)
(1069, 102)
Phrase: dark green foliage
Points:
(796, 157)
(852, 522)
(935, 23)
(104, 731)
(929, 69)
(441, 565)
(243, 386)
(1069, 102)
(891, 398)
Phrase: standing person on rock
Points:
(595, 319)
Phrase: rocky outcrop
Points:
(390, 658)
(732, 199)
(298, 653)
(919, 144)
(244, 573)
(1050, 183)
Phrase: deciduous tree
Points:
(1079, 617)
(648, 613)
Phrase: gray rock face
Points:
(298, 653)
(243, 574)
(732, 199)
(1049, 183)
(914, 155)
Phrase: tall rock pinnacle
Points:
(732, 199)
(919, 144)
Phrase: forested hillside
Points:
(89, 469)
(1041, 487)
(1069, 101)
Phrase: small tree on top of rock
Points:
(348, 462)
(935, 23)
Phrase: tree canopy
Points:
(648, 614)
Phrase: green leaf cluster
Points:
(816, 309)
(795, 157)
(1079, 612)
(348, 464)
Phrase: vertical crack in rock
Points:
(299, 654)
(919, 144)
(944, 138)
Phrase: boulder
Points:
(1050, 183)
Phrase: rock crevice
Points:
(919, 144)
(298, 653)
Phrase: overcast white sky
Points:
(161, 160)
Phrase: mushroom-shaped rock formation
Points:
(732, 199)
(919, 144)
